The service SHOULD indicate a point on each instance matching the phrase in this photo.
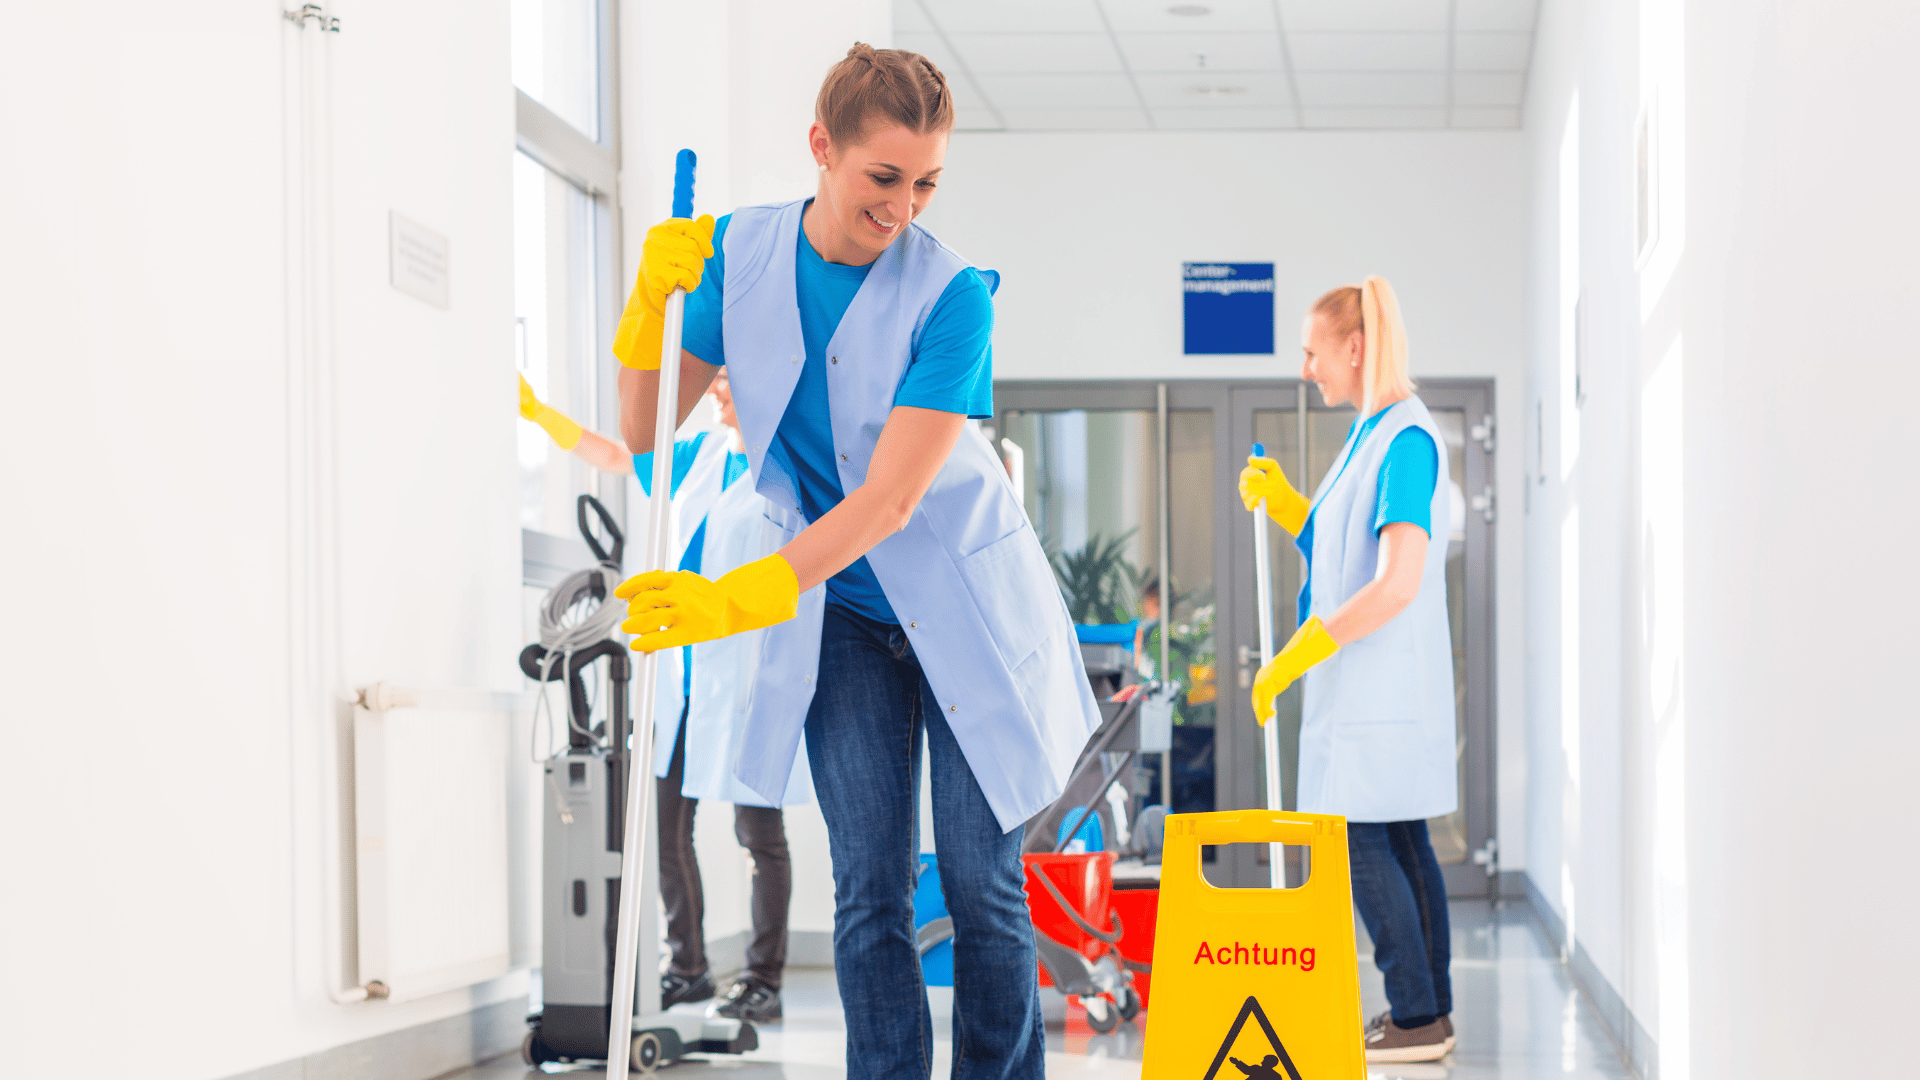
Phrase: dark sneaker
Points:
(1388, 1041)
(749, 999)
(675, 989)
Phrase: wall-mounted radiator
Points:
(430, 827)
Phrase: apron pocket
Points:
(1014, 590)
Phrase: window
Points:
(567, 293)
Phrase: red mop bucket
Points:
(1087, 883)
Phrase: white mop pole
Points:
(633, 849)
(1270, 734)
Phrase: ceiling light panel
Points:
(1167, 16)
(1386, 15)
(1236, 90)
(1494, 14)
(1059, 91)
(1368, 52)
(1505, 51)
(1183, 52)
(1016, 16)
(988, 54)
(1392, 88)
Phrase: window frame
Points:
(590, 163)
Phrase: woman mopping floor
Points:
(1377, 729)
(911, 599)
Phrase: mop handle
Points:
(1270, 734)
(633, 849)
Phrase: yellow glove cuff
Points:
(1289, 511)
(759, 594)
(564, 431)
(637, 341)
(1309, 645)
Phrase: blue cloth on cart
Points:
(1090, 830)
(1106, 633)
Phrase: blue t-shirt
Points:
(1408, 472)
(684, 451)
(951, 370)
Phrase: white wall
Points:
(163, 800)
(1089, 231)
(1720, 735)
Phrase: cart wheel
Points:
(645, 1056)
(1102, 1017)
(1129, 1004)
(534, 1052)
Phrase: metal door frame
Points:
(1236, 738)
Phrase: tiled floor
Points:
(1517, 1015)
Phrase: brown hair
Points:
(900, 86)
(1371, 308)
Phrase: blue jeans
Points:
(1403, 902)
(869, 711)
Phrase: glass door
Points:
(1087, 458)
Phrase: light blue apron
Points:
(737, 533)
(1377, 729)
(966, 577)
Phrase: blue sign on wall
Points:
(1229, 307)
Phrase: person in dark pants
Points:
(762, 831)
(1377, 726)
(703, 696)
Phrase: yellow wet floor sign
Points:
(1255, 983)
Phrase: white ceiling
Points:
(1214, 65)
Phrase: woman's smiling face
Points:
(870, 192)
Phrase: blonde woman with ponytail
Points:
(1377, 726)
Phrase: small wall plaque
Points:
(419, 260)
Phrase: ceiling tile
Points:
(987, 54)
(1487, 88)
(1148, 16)
(1059, 91)
(1484, 116)
(931, 46)
(1182, 52)
(1371, 88)
(1225, 90)
(1494, 14)
(1506, 51)
(1016, 16)
(975, 119)
(1348, 117)
(965, 94)
(1368, 52)
(909, 19)
(1298, 15)
(1076, 120)
(1225, 119)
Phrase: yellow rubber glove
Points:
(564, 431)
(668, 610)
(1262, 479)
(674, 255)
(1308, 646)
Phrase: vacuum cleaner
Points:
(586, 793)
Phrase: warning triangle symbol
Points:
(1268, 1066)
